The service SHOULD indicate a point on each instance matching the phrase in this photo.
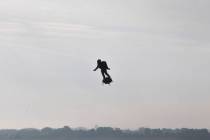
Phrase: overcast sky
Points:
(158, 52)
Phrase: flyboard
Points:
(107, 80)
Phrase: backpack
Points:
(104, 65)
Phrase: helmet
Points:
(99, 61)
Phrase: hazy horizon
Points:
(158, 52)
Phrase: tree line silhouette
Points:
(103, 133)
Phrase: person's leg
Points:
(102, 72)
(107, 74)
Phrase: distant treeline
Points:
(103, 133)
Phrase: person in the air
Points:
(103, 66)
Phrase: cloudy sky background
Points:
(158, 52)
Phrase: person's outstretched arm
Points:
(95, 68)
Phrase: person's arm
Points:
(107, 66)
(95, 68)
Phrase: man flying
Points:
(103, 66)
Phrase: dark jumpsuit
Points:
(103, 66)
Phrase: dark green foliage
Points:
(104, 133)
